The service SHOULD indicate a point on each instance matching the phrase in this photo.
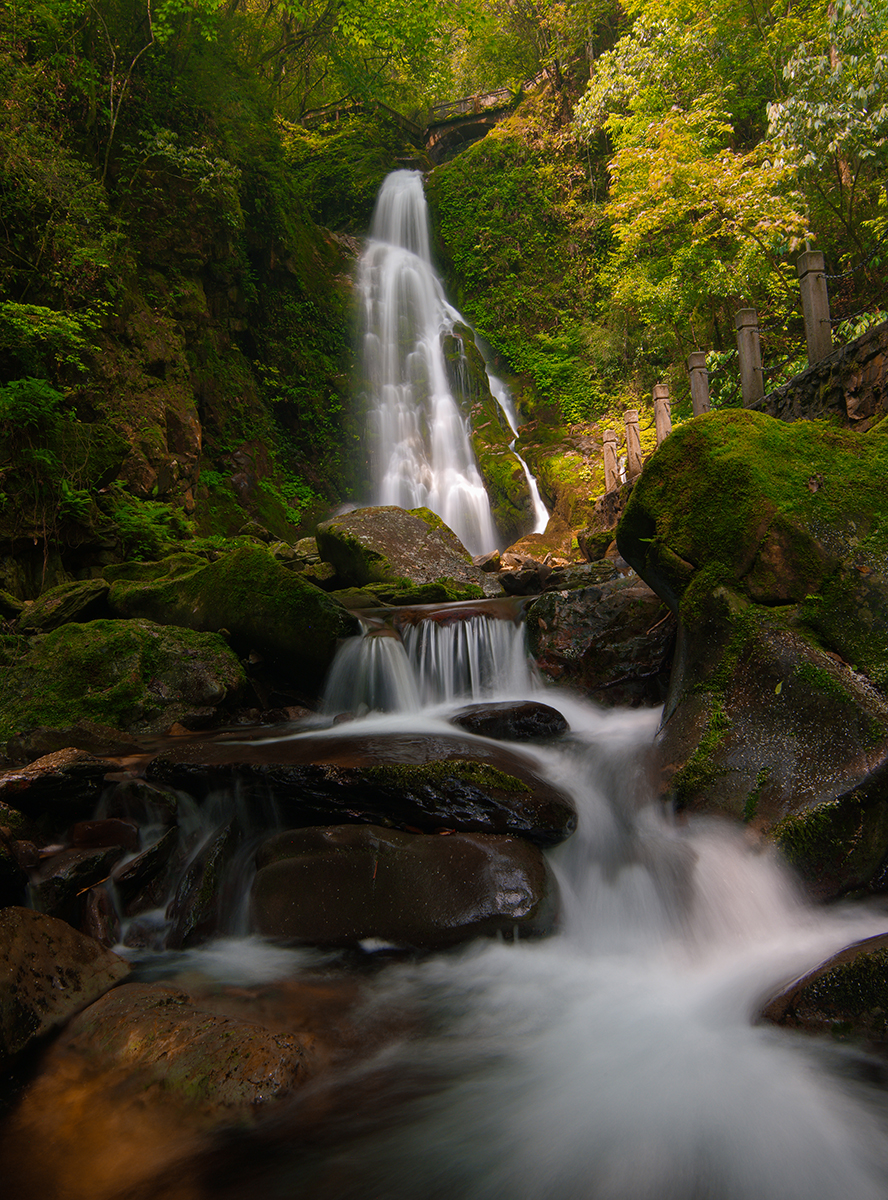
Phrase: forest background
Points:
(184, 183)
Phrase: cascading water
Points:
(421, 450)
(619, 1060)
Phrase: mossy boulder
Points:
(263, 607)
(399, 552)
(79, 601)
(769, 543)
(133, 675)
(845, 997)
(339, 885)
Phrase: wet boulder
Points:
(134, 675)
(403, 557)
(846, 997)
(764, 539)
(511, 721)
(262, 606)
(339, 885)
(409, 781)
(48, 972)
(66, 784)
(60, 885)
(612, 641)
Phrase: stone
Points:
(516, 722)
(194, 911)
(397, 554)
(143, 882)
(67, 782)
(845, 998)
(110, 831)
(59, 886)
(135, 675)
(48, 972)
(409, 781)
(264, 607)
(337, 886)
(613, 642)
(84, 600)
(777, 711)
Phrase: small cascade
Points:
(430, 656)
(421, 448)
(503, 397)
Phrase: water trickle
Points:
(421, 447)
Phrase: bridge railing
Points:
(819, 339)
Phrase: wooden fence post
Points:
(611, 461)
(633, 444)
(749, 351)
(699, 382)
(662, 411)
(815, 305)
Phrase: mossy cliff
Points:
(770, 542)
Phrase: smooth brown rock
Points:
(339, 885)
(48, 972)
(517, 722)
(67, 781)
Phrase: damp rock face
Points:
(411, 781)
(613, 641)
(519, 722)
(338, 885)
(764, 539)
(48, 972)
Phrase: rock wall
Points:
(850, 386)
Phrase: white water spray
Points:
(420, 440)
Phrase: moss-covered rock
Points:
(263, 607)
(846, 997)
(769, 542)
(78, 601)
(132, 675)
(401, 551)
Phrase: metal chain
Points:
(853, 270)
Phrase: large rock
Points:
(845, 997)
(402, 556)
(262, 606)
(340, 885)
(134, 675)
(612, 642)
(413, 781)
(48, 972)
(765, 539)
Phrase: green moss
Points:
(700, 771)
(749, 808)
(846, 837)
(412, 775)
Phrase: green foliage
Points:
(523, 238)
(148, 529)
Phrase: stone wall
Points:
(851, 384)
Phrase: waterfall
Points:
(431, 657)
(421, 452)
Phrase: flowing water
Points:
(420, 441)
(617, 1060)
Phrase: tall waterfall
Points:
(421, 449)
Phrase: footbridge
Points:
(445, 128)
